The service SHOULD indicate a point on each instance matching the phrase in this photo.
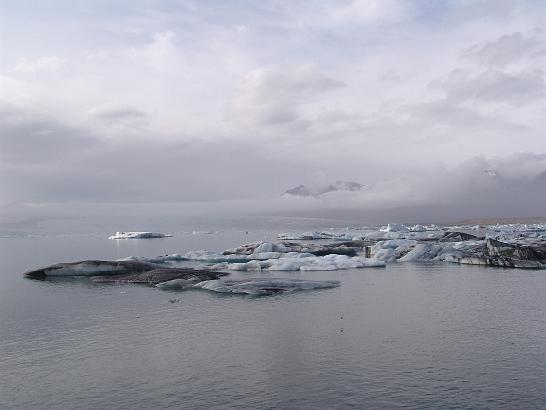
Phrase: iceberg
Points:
(319, 190)
(525, 253)
(139, 235)
(91, 268)
(256, 250)
(160, 275)
(264, 287)
(178, 284)
(394, 228)
(307, 262)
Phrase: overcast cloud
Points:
(430, 103)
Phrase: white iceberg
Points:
(203, 232)
(308, 236)
(139, 235)
(308, 262)
(394, 228)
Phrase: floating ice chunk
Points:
(453, 256)
(261, 287)
(266, 255)
(271, 247)
(254, 265)
(340, 262)
(91, 268)
(383, 235)
(394, 228)
(298, 255)
(417, 228)
(288, 236)
(392, 249)
(133, 259)
(306, 236)
(307, 262)
(178, 283)
(175, 257)
(139, 235)
(238, 266)
(421, 251)
(214, 257)
(286, 264)
(214, 267)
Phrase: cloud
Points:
(279, 96)
(194, 101)
(507, 49)
(479, 187)
(116, 112)
(43, 160)
(161, 53)
(495, 86)
(367, 12)
(28, 139)
(45, 64)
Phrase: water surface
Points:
(405, 336)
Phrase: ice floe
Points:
(160, 275)
(394, 228)
(91, 268)
(508, 245)
(307, 262)
(288, 261)
(139, 235)
(263, 286)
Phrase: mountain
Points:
(338, 186)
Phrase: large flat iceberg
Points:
(139, 235)
(306, 262)
(262, 287)
(91, 268)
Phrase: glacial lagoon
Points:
(413, 334)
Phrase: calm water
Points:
(408, 336)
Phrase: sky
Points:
(430, 104)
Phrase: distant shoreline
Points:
(502, 221)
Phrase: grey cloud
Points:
(495, 86)
(477, 188)
(516, 186)
(422, 126)
(447, 113)
(69, 165)
(244, 172)
(506, 49)
(117, 113)
(30, 138)
(272, 97)
(279, 116)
